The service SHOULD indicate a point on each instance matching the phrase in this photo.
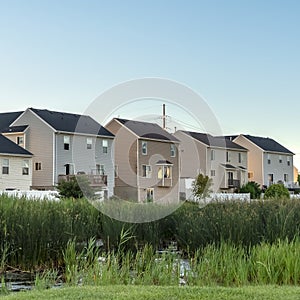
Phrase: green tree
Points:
(277, 191)
(202, 187)
(253, 188)
(77, 187)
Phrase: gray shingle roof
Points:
(11, 129)
(74, 123)
(6, 119)
(267, 144)
(148, 130)
(9, 147)
(211, 141)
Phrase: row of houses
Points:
(128, 158)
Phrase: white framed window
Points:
(150, 194)
(227, 156)
(269, 159)
(173, 150)
(146, 171)
(285, 177)
(164, 172)
(104, 146)
(89, 143)
(270, 178)
(70, 169)
(5, 166)
(212, 154)
(212, 173)
(20, 140)
(144, 148)
(288, 161)
(66, 142)
(100, 169)
(25, 167)
(38, 166)
(280, 159)
(240, 157)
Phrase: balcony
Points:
(95, 180)
(233, 183)
(165, 182)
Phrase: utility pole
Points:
(164, 117)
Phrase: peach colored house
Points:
(146, 161)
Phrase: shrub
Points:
(202, 187)
(77, 187)
(276, 191)
(253, 188)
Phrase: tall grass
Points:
(37, 232)
(225, 264)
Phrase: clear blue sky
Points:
(243, 57)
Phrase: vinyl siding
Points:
(193, 156)
(158, 151)
(39, 141)
(129, 160)
(85, 160)
(15, 179)
(277, 169)
(125, 145)
(255, 159)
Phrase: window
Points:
(240, 157)
(70, 169)
(5, 166)
(269, 159)
(25, 167)
(212, 173)
(89, 143)
(212, 154)
(116, 171)
(280, 159)
(173, 150)
(164, 172)
(66, 142)
(288, 161)
(144, 148)
(100, 169)
(38, 166)
(104, 146)
(150, 195)
(285, 177)
(20, 140)
(227, 156)
(146, 171)
(270, 179)
(250, 175)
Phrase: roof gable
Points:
(211, 141)
(147, 130)
(6, 119)
(72, 123)
(267, 144)
(9, 147)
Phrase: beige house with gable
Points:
(222, 160)
(147, 161)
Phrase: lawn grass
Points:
(120, 292)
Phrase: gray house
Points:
(224, 161)
(268, 161)
(147, 161)
(63, 145)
